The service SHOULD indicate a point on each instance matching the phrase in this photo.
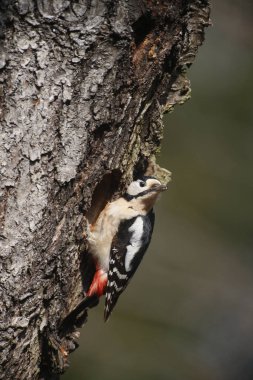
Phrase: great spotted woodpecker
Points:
(120, 237)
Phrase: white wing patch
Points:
(135, 242)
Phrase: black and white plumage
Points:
(128, 248)
(120, 238)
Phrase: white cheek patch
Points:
(135, 242)
(134, 188)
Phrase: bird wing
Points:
(127, 250)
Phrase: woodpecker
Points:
(120, 237)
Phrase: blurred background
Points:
(188, 314)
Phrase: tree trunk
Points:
(83, 86)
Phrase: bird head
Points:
(145, 191)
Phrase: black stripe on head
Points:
(129, 197)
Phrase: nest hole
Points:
(142, 27)
(103, 193)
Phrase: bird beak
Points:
(159, 188)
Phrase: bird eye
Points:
(142, 183)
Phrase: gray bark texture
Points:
(83, 86)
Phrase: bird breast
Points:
(103, 231)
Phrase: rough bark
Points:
(83, 86)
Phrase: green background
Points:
(188, 313)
